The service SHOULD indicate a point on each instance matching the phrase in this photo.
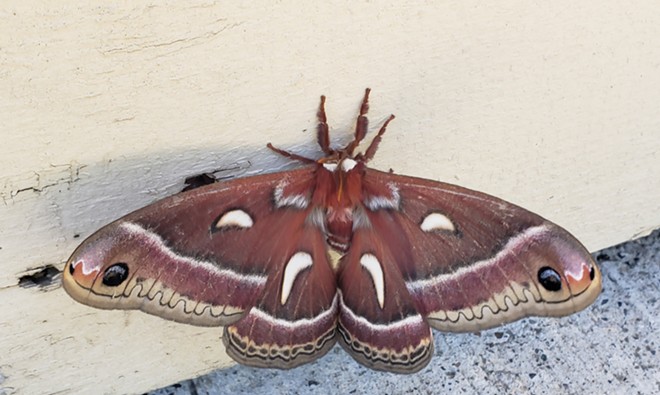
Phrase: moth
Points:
(334, 251)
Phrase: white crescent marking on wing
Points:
(237, 218)
(371, 263)
(298, 262)
(437, 221)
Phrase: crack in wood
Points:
(39, 181)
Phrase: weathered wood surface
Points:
(105, 108)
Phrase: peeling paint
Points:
(36, 182)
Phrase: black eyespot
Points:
(592, 273)
(71, 269)
(115, 274)
(550, 279)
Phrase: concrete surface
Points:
(610, 348)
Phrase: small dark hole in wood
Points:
(199, 180)
(44, 278)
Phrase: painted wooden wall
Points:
(107, 107)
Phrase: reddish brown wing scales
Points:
(473, 261)
(378, 320)
(192, 257)
(295, 319)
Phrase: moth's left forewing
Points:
(193, 257)
(478, 261)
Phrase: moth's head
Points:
(98, 271)
(566, 275)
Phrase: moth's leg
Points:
(361, 125)
(290, 155)
(371, 151)
(322, 128)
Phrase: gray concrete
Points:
(610, 348)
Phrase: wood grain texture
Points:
(107, 108)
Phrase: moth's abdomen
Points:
(339, 225)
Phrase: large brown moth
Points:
(291, 262)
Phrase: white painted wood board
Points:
(107, 107)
